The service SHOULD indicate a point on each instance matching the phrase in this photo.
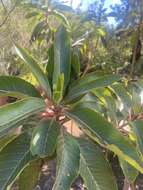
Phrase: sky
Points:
(86, 2)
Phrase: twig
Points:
(135, 52)
(4, 7)
(8, 13)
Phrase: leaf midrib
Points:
(24, 156)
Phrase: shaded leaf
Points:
(94, 168)
(12, 160)
(130, 173)
(17, 87)
(137, 127)
(44, 140)
(68, 156)
(29, 176)
(50, 64)
(5, 140)
(75, 63)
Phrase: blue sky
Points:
(86, 2)
(108, 3)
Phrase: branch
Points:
(3, 5)
(8, 13)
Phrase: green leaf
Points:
(29, 177)
(122, 93)
(137, 127)
(44, 140)
(130, 173)
(68, 156)
(62, 55)
(5, 140)
(85, 85)
(135, 93)
(12, 114)
(12, 160)
(50, 64)
(40, 26)
(90, 77)
(17, 87)
(94, 168)
(75, 63)
(36, 70)
(61, 17)
(90, 101)
(101, 131)
(58, 89)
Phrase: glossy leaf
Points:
(84, 86)
(58, 89)
(62, 55)
(122, 93)
(29, 176)
(35, 69)
(94, 168)
(12, 114)
(44, 138)
(101, 131)
(17, 87)
(12, 160)
(68, 156)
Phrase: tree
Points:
(105, 106)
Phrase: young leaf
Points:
(44, 138)
(16, 87)
(68, 156)
(29, 176)
(58, 89)
(50, 64)
(62, 55)
(94, 168)
(13, 158)
(12, 114)
(84, 87)
(36, 70)
(101, 131)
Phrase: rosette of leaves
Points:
(89, 100)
